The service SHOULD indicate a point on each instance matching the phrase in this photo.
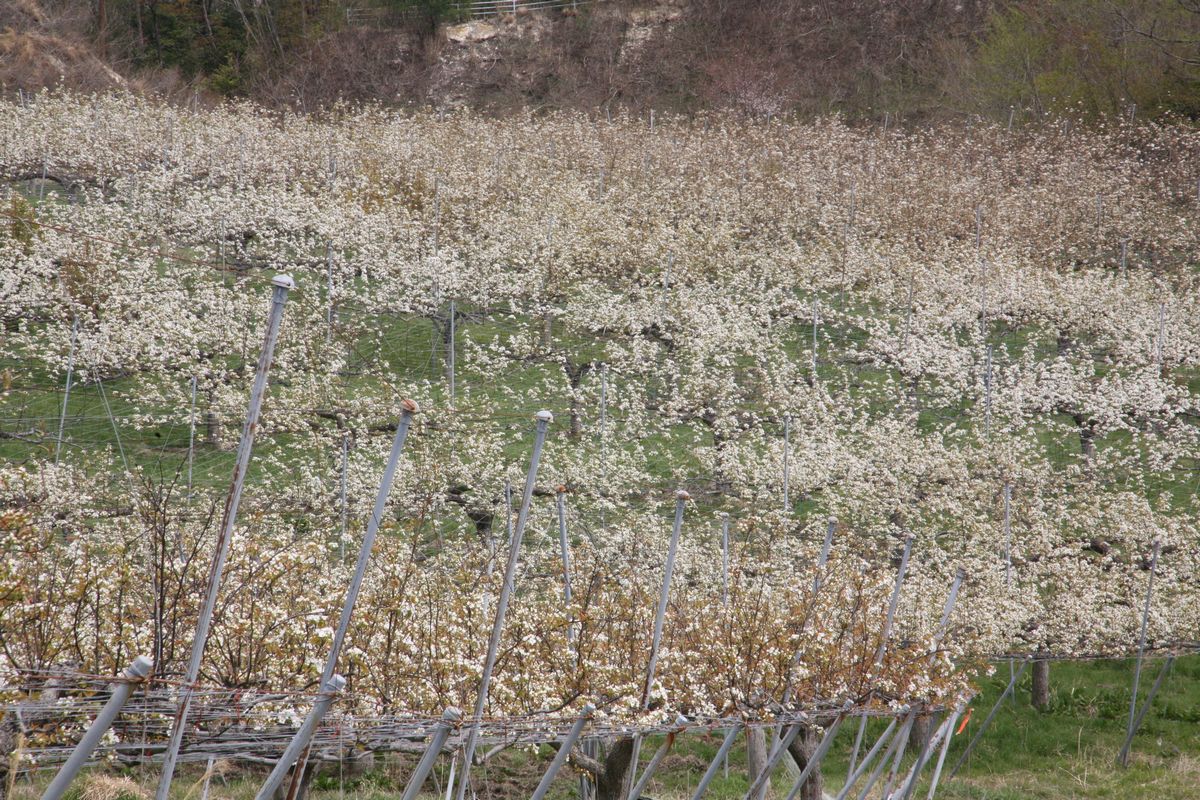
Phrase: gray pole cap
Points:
(140, 668)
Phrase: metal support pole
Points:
(731, 735)
(342, 495)
(294, 753)
(681, 723)
(62, 417)
(988, 721)
(987, 394)
(450, 350)
(856, 772)
(787, 452)
(282, 284)
(565, 550)
(564, 752)
(514, 552)
(903, 745)
(814, 760)
(725, 561)
(1123, 757)
(781, 747)
(450, 718)
(304, 735)
(823, 559)
(1137, 722)
(897, 743)
(895, 601)
(121, 690)
(937, 770)
(681, 498)
(191, 438)
(816, 322)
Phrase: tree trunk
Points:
(1041, 684)
(756, 758)
(918, 735)
(611, 783)
(802, 749)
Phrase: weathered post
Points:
(121, 689)
(299, 743)
(564, 751)
(450, 719)
(514, 552)
(301, 740)
(282, 284)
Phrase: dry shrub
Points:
(111, 787)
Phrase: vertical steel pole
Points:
(191, 438)
(450, 718)
(62, 417)
(282, 284)
(564, 751)
(1123, 757)
(342, 495)
(450, 350)
(731, 735)
(814, 345)
(328, 678)
(514, 552)
(565, 551)
(987, 394)
(121, 690)
(823, 559)
(787, 448)
(725, 561)
(294, 753)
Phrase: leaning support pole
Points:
(1123, 756)
(887, 634)
(564, 752)
(681, 723)
(299, 743)
(364, 557)
(909, 785)
(898, 741)
(814, 761)
(761, 779)
(1137, 722)
(514, 552)
(282, 284)
(857, 772)
(450, 718)
(121, 689)
(731, 734)
(681, 498)
(660, 615)
(988, 721)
